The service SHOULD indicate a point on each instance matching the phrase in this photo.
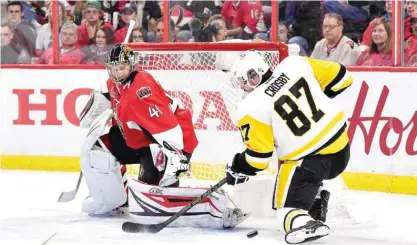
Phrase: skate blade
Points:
(243, 218)
(305, 235)
(111, 214)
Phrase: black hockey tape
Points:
(252, 234)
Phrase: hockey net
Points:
(194, 73)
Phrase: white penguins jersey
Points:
(292, 112)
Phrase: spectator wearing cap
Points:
(129, 12)
(15, 20)
(335, 46)
(69, 53)
(93, 21)
(11, 51)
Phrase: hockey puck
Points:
(252, 234)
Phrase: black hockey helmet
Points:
(121, 58)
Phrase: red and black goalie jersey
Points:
(144, 112)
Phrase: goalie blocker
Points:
(150, 204)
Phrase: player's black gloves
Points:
(234, 174)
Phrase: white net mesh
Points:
(195, 77)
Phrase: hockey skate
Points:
(311, 231)
(233, 216)
(121, 211)
(318, 210)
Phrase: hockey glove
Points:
(176, 163)
(234, 174)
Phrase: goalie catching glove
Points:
(234, 173)
(169, 160)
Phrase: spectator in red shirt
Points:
(410, 46)
(128, 13)
(249, 18)
(411, 6)
(379, 53)
(93, 21)
(69, 53)
(228, 11)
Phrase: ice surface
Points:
(30, 214)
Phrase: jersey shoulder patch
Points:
(144, 92)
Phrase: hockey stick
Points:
(67, 196)
(132, 227)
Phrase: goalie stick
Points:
(132, 227)
(132, 23)
(67, 196)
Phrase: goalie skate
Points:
(313, 230)
(117, 212)
(233, 217)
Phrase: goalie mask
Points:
(120, 63)
(248, 70)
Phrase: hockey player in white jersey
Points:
(290, 110)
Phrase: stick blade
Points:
(131, 227)
(67, 196)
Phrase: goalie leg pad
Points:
(104, 181)
(153, 204)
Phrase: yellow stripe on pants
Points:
(283, 182)
(290, 216)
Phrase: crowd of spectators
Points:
(349, 32)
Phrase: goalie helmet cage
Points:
(194, 73)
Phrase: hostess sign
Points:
(40, 108)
